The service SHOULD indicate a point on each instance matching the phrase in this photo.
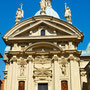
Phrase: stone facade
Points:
(42, 50)
(50, 59)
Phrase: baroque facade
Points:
(42, 52)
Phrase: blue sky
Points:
(80, 16)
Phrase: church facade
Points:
(42, 52)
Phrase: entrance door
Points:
(42, 86)
(21, 85)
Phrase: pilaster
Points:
(30, 72)
(74, 73)
(55, 69)
(9, 77)
(13, 85)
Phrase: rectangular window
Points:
(64, 85)
(21, 85)
(42, 86)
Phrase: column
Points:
(9, 77)
(56, 72)
(13, 87)
(74, 74)
(30, 73)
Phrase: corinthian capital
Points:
(14, 59)
(29, 58)
(55, 58)
(72, 57)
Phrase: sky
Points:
(80, 10)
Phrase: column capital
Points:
(13, 59)
(55, 58)
(30, 58)
(73, 58)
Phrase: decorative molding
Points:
(63, 69)
(42, 59)
(42, 72)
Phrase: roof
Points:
(87, 51)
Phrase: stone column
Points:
(9, 77)
(55, 73)
(74, 73)
(30, 73)
(5, 77)
(14, 59)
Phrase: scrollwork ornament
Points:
(55, 58)
(30, 58)
(13, 59)
(63, 69)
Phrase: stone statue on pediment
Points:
(67, 13)
(19, 15)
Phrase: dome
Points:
(49, 12)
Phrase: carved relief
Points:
(83, 73)
(63, 65)
(21, 62)
(42, 67)
(63, 69)
(42, 59)
(22, 70)
(42, 72)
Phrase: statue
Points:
(43, 6)
(22, 71)
(68, 13)
(19, 15)
(48, 3)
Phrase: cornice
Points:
(45, 19)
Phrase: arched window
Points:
(43, 32)
(64, 85)
(21, 85)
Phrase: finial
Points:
(65, 5)
(67, 14)
(19, 14)
(21, 4)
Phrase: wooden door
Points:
(21, 85)
(64, 85)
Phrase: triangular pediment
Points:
(32, 27)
